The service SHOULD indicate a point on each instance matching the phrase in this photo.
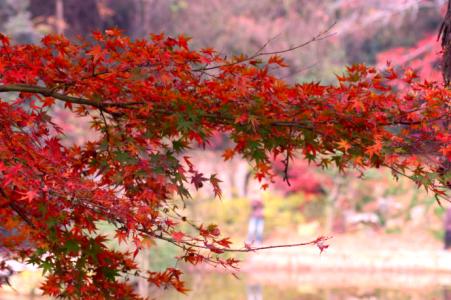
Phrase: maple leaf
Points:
(344, 145)
(228, 154)
(241, 119)
(208, 51)
(374, 149)
(215, 183)
(248, 246)
(29, 196)
(113, 32)
(189, 163)
(358, 160)
(391, 74)
(320, 243)
(170, 223)
(213, 248)
(147, 104)
(358, 105)
(48, 101)
(410, 75)
(198, 180)
(136, 252)
(213, 230)
(4, 40)
(121, 235)
(183, 41)
(276, 59)
(446, 151)
(225, 242)
(254, 122)
(322, 246)
(178, 236)
(96, 52)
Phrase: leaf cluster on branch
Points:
(150, 100)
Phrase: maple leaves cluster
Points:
(149, 101)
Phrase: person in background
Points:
(254, 292)
(256, 220)
(448, 229)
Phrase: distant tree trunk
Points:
(151, 16)
(124, 15)
(81, 17)
(59, 13)
(331, 204)
(445, 35)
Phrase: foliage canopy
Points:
(149, 101)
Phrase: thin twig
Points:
(107, 134)
(321, 36)
(183, 244)
(223, 249)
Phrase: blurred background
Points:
(387, 235)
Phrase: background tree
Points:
(364, 27)
(17, 21)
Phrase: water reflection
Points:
(303, 286)
(249, 287)
(446, 293)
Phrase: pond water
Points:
(319, 285)
(256, 287)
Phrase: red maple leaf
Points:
(178, 236)
(29, 196)
(198, 180)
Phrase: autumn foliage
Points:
(149, 101)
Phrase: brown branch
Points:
(291, 124)
(24, 217)
(17, 209)
(107, 135)
(47, 92)
(313, 242)
(321, 36)
(114, 218)
(223, 249)
(103, 106)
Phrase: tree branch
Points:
(103, 106)
(242, 250)
(321, 36)
(114, 218)
(17, 209)
(47, 92)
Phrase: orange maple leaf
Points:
(342, 144)
(374, 149)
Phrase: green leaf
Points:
(46, 266)
(124, 158)
(72, 246)
(110, 274)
